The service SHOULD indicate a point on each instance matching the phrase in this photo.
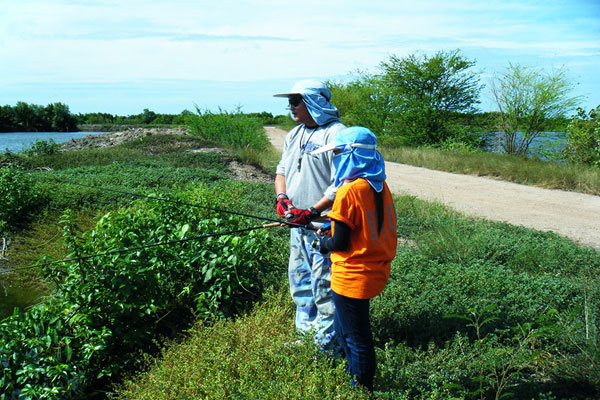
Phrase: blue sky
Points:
(123, 56)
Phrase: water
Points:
(17, 294)
(547, 146)
(18, 141)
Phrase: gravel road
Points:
(570, 214)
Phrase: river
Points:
(18, 141)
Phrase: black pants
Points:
(353, 327)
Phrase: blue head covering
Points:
(316, 96)
(359, 157)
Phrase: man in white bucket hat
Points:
(305, 189)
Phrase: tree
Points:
(527, 98)
(61, 118)
(426, 93)
(147, 116)
(362, 102)
(7, 119)
(583, 138)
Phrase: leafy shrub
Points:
(18, 197)
(42, 148)
(583, 138)
(234, 130)
(49, 352)
(422, 291)
(119, 303)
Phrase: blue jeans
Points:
(309, 274)
(353, 327)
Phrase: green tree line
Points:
(146, 117)
(56, 117)
(24, 117)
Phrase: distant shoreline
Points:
(111, 138)
(18, 141)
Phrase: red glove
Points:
(282, 205)
(302, 217)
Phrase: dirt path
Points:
(570, 214)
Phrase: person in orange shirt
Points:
(362, 242)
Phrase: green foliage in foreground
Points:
(473, 309)
(108, 309)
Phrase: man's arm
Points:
(323, 204)
(279, 184)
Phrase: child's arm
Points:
(339, 241)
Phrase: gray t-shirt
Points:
(308, 178)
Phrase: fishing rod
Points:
(128, 249)
(274, 223)
(291, 224)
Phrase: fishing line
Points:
(185, 204)
(179, 202)
(128, 249)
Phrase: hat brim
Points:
(323, 149)
(285, 94)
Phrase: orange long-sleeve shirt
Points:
(362, 271)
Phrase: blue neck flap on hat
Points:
(357, 162)
(319, 107)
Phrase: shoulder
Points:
(293, 135)
(332, 129)
(336, 126)
(359, 184)
(294, 131)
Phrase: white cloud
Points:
(110, 41)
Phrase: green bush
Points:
(42, 147)
(18, 197)
(120, 303)
(583, 138)
(536, 292)
(233, 130)
(49, 352)
(423, 291)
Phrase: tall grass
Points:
(231, 130)
(252, 357)
(266, 159)
(578, 178)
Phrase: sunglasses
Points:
(295, 100)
